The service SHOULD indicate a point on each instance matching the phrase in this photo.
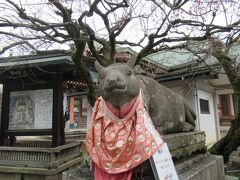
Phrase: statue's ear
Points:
(98, 67)
(139, 70)
(131, 62)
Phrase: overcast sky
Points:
(134, 31)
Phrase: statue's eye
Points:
(101, 75)
(129, 72)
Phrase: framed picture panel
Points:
(31, 109)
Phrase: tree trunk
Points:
(231, 141)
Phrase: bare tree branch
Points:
(17, 44)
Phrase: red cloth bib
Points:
(100, 174)
(118, 145)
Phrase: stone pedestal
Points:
(39, 162)
(186, 143)
(201, 167)
(191, 161)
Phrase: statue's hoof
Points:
(187, 127)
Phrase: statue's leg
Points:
(190, 116)
(188, 127)
(173, 127)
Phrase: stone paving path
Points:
(231, 178)
(233, 166)
(77, 173)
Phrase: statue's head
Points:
(117, 83)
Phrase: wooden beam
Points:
(4, 115)
(57, 123)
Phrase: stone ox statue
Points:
(119, 84)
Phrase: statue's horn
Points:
(98, 66)
(131, 62)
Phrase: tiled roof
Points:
(181, 58)
(35, 60)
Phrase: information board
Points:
(162, 164)
(31, 109)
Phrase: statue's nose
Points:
(113, 80)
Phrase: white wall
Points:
(207, 122)
(65, 104)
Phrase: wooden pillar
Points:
(57, 120)
(4, 115)
(71, 109)
(220, 112)
(229, 105)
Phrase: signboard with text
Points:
(31, 109)
(162, 164)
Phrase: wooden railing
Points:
(38, 154)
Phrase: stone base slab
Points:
(185, 143)
(196, 167)
(209, 168)
(180, 144)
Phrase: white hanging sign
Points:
(162, 164)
